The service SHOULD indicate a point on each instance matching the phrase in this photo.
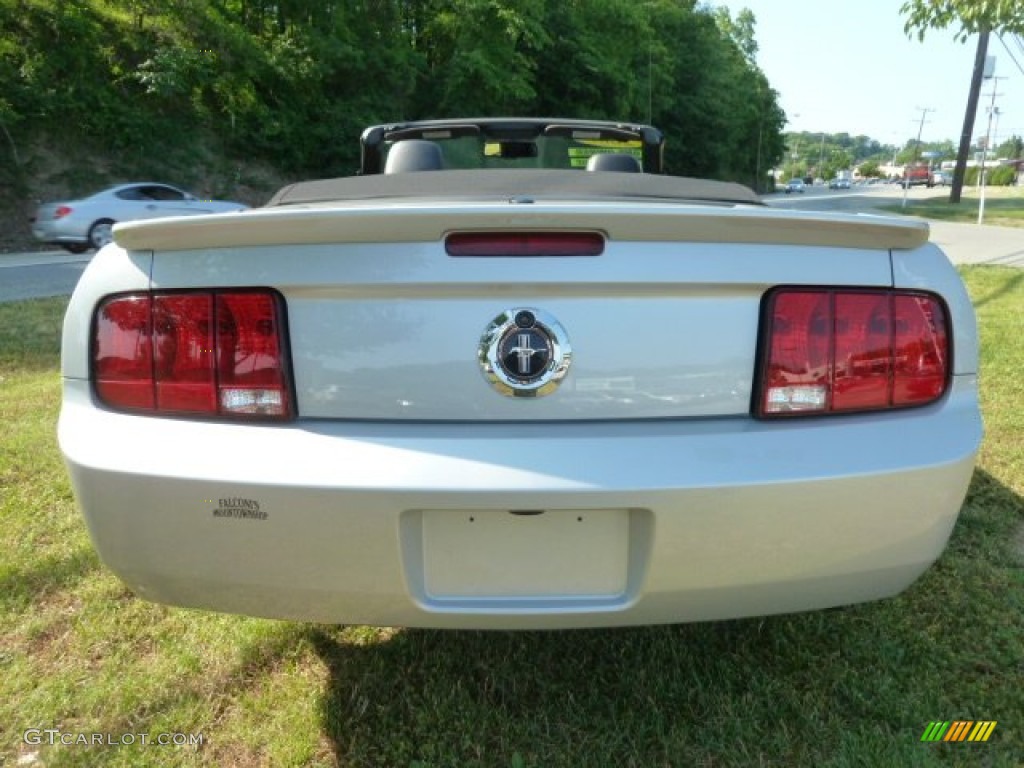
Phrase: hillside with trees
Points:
(220, 94)
(824, 155)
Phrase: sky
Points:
(847, 66)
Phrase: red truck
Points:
(917, 174)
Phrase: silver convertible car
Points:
(512, 377)
(78, 225)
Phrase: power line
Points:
(993, 111)
(1010, 53)
(924, 112)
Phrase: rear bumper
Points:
(57, 232)
(412, 524)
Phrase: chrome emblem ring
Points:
(524, 352)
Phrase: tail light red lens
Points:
(61, 211)
(122, 352)
(836, 351)
(206, 353)
(183, 359)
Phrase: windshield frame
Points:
(549, 138)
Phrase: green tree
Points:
(869, 169)
(763, 109)
(581, 75)
(740, 30)
(972, 16)
(1012, 148)
(293, 82)
(716, 99)
(481, 55)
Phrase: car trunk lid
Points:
(384, 324)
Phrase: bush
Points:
(1003, 176)
(998, 176)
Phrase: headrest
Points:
(414, 155)
(613, 161)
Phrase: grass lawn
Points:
(1004, 206)
(848, 687)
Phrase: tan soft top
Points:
(535, 184)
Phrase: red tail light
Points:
(61, 212)
(212, 353)
(524, 244)
(832, 351)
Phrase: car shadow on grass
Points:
(47, 575)
(832, 685)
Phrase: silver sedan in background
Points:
(78, 225)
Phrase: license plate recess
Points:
(525, 553)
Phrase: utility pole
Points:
(920, 129)
(917, 153)
(988, 141)
(795, 153)
(972, 108)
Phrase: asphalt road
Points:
(963, 243)
(37, 275)
(857, 199)
(55, 273)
